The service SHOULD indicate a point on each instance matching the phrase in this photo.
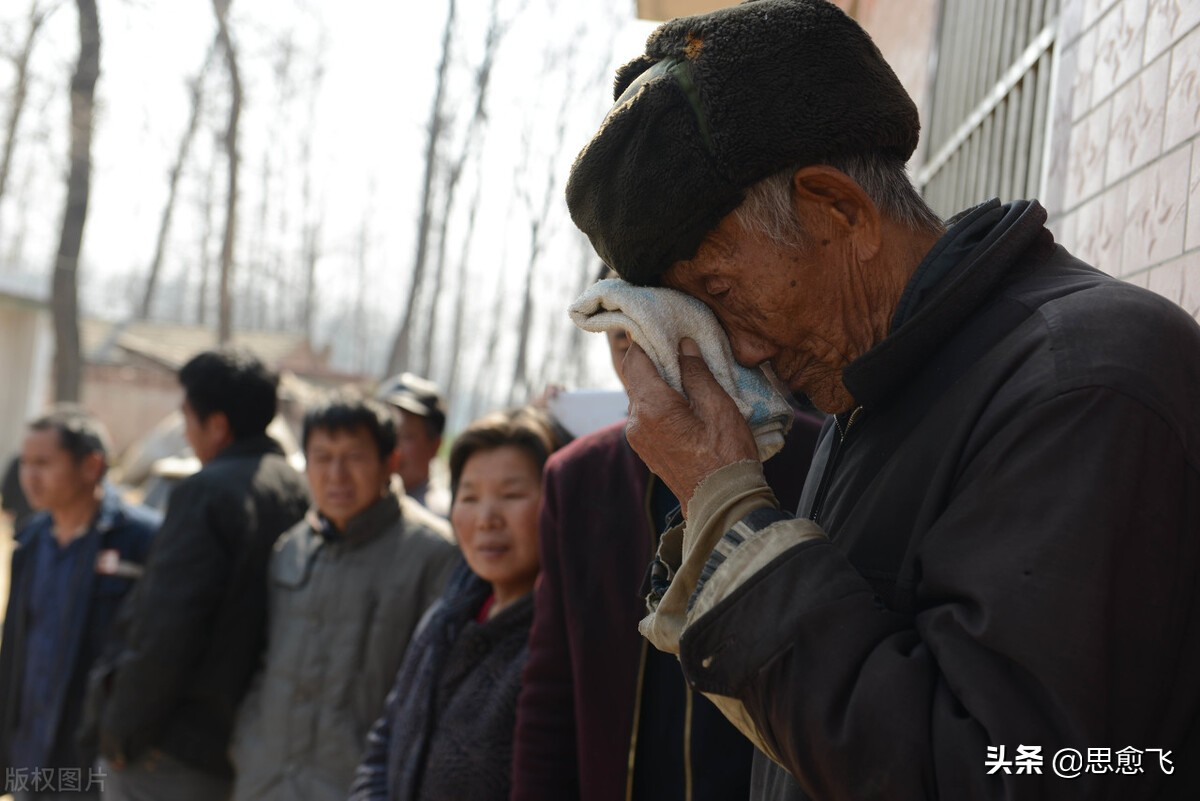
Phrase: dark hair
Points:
(525, 428)
(349, 411)
(232, 381)
(79, 433)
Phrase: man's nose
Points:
(749, 350)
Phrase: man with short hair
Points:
(75, 560)
(192, 635)
(419, 436)
(347, 587)
(994, 558)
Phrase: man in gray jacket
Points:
(347, 586)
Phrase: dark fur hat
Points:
(721, 101)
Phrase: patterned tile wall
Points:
(1123, 183)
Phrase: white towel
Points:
(657, 319)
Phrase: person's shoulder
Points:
(422, 525)
(141, 520)
(603, 445)
(1121, 335)
(298, 536)
(37, 525)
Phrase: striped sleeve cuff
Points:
(748, 547)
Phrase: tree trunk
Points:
(205, 238)
(310, 233)
(483, 76)
(454, 350)
(68, 364)
(225, 299)
(20, 90)
(398, 359)
(196, 94)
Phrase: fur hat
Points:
(719, 102)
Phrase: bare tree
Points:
(68, 363)
(454, 348)
(37, 17)
(196, 98)
(401, 345)
(206, 232)
(225, 299)
(483, 74)
(310, 229)
(538, 206)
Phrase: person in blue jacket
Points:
(73, 564)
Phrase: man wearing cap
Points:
(419, 436)
(994, 557)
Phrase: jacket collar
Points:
(109, 514)
(368, 524)
(954, 280)
(258, 445)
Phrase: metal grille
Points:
(991, 98)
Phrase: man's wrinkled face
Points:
(345, 472)
(618, 346)
(51, 477)
(779, 304)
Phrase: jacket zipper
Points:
(637, 714)
(689, 700)
(641, 677)
(687, 742)
(835, 452)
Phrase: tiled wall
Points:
(1123, 185)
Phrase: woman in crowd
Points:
(446, 732)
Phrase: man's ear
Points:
(822, 194)
(92, 466)
(218, 426)
(392, 462)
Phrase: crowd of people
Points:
(978, 550)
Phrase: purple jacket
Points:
(576, 710)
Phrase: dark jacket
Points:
(446, 733)
(1014, 544)
(192, 634)
(579, 702)
(94, 600)
(343, 607)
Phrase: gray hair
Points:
(768, 208)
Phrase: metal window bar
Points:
(991, 101)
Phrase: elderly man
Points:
(995, 554)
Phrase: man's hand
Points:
(683, 440)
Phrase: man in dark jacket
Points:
(990, 588)
(194, 630)
(601, 715)
(74, 563)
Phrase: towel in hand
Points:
(657, 318)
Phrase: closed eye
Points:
(717, 287)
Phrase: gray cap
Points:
(412, 393)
